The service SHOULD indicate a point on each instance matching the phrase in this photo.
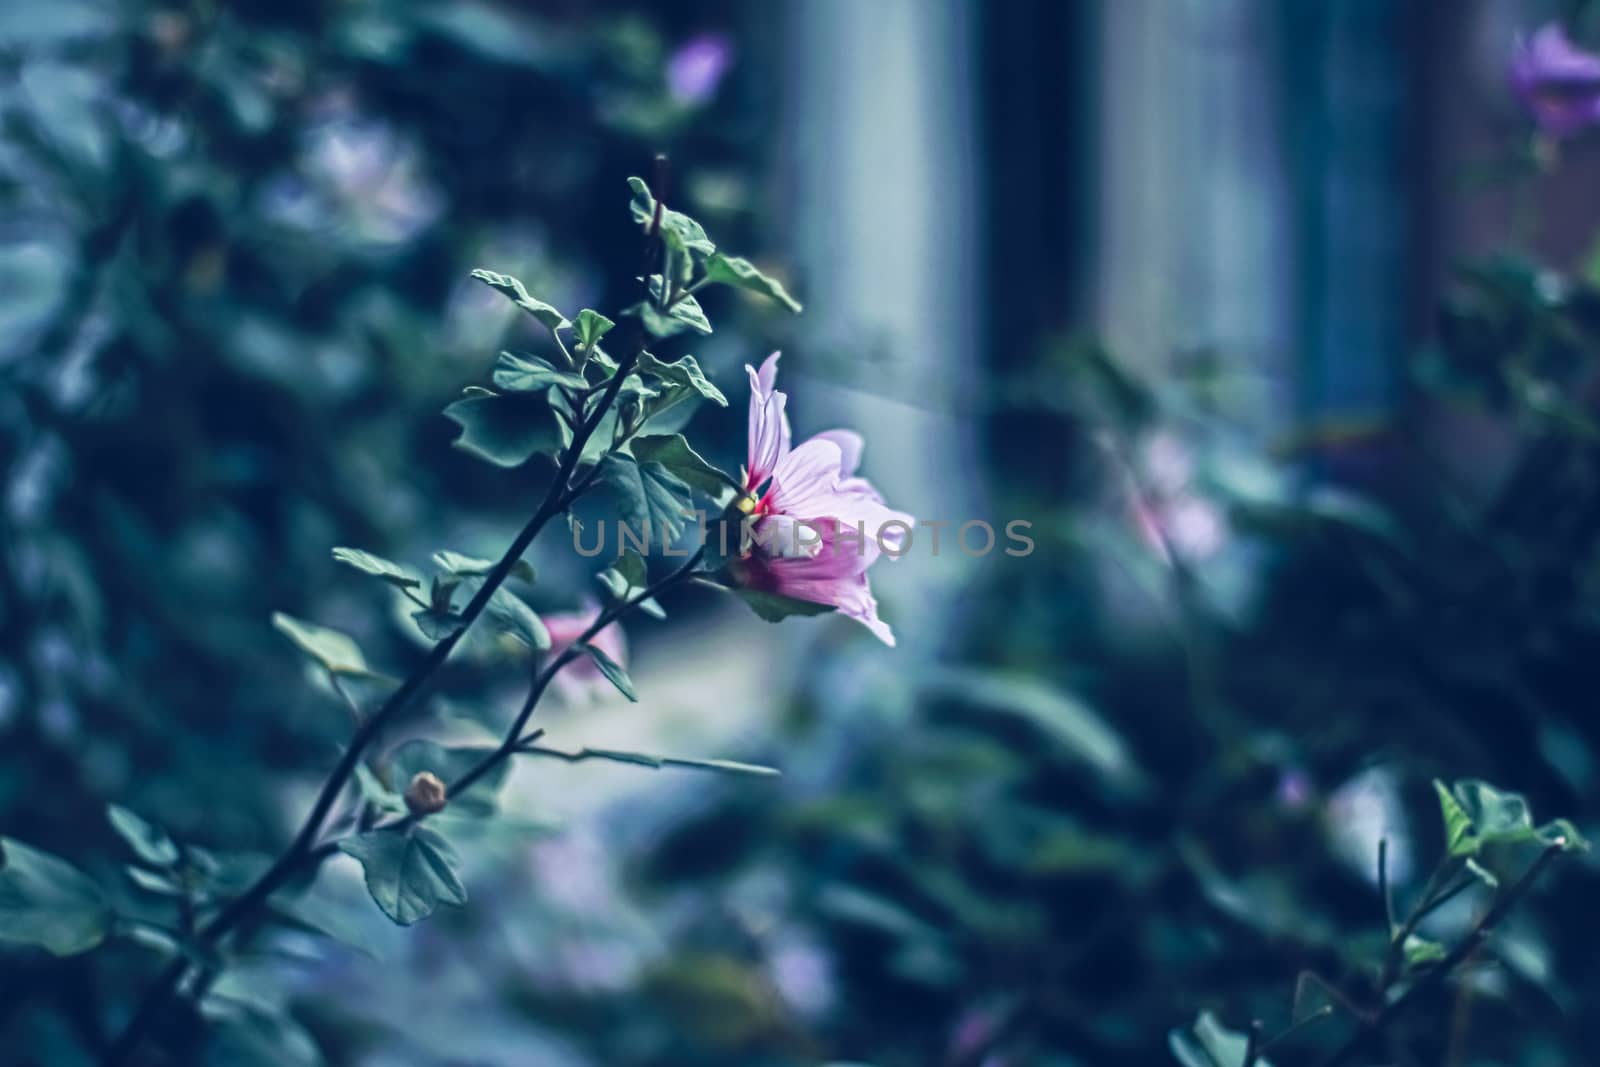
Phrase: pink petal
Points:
(850, 445)
(769, 424)
(804, 481)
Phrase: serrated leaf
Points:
(674, 453)
(148, 841)
(508, 613)
(408, 874)
(395, 574)
(530, 374)
(473, 567)
(450, 763)
(649, 497)
(627, 578)
(742, 274)
(590, 327)
(775, 607)
(684, 231)
(518, 294)
(508, 429)
(1458, 836)
(613, 672)
(683, 372)
(337, 652)
(47, 902)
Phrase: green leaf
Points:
(508, 613)
(685, 373)
(741, 273)
(518, 374)
(684, 314)
(153, 881)
(508, 430)
(312, 916)
(47, 902)
(338, 653)
(449, 763)
(673, 452)
(394, 573)
(518, 295)
(627, 578)
(473, 567)
(590, 327)
(775, 607)
(683, 230)
(1458, 836)
(1420, 951)
(1207, 1043)
(436, 625)
(650, 498)
(613, 672)
(408, 874)
(148, 841)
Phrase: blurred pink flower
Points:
(814, 486)
(1557, 81)
(581, 679)
(696, 68)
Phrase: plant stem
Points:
(1467, 946)
(303, 848)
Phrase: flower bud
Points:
(426, 794)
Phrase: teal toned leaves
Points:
(1458, 837)
(408, 874)
(1477, 815)
(508, 613)
(148, 841)
(684, 313)
(685, 373)
(394, 573)
(626, 579)
(673, 452)
(47, 902)
(613, 672)
(676, 228)
(507, 430)
(530, 374)
(337, 652)
(741, 273)
(473, 567)
(590, 327)
(1207, 1043)
(650, 498)
(518, 294)
(775, 607)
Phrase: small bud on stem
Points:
(426, 794)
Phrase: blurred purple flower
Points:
(581, 680)
(1557, 81)
(696, 68)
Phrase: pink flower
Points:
(1558, 82)
(581, 680)
(818, 525)
(696, 69)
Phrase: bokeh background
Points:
(1272, 318)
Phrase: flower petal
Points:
(768, 424)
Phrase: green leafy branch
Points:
(588, 413)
